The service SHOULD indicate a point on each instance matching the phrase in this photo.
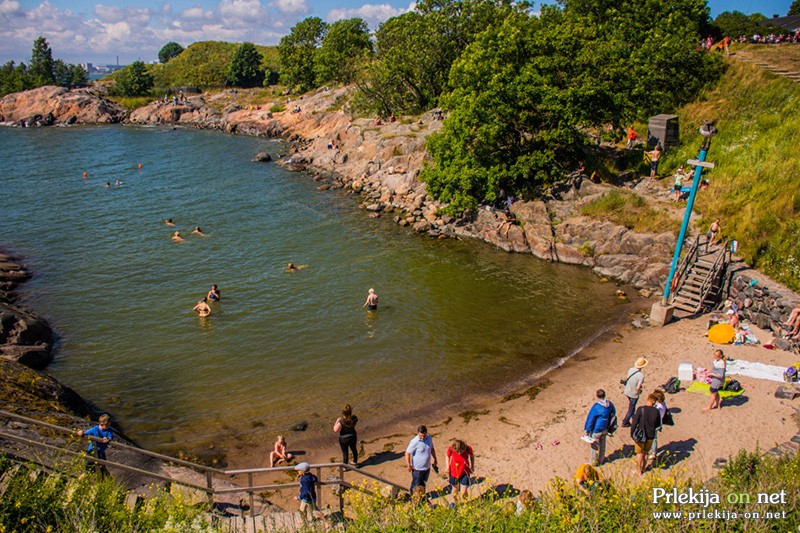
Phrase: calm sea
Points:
(456, 318)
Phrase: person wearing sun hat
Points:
(633, 388)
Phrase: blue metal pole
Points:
(698, 172)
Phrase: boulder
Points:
(262, 157)
(50, 105)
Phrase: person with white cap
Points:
(308, 491)
(633, 388)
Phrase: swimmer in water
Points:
(202, 308)
(213, 294)
(177, 237)
(291, 267)
(169, 222)
(372, 301)
(198, 231)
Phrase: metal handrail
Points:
(209, 472)
(712, 274)
(683, 267)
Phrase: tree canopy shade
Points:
(297, 52)
(169, 51)
(736, 23)
(40, 68)
(345, 44)
(794, 9)
(522, 95)
(245, 68)
(134, 80)
(69, 76)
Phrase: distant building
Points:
(791, 23)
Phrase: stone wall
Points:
(765, 306)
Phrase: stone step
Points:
(7, 478)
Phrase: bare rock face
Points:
(194, 111)
(51, 105)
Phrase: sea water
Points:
(456, 318)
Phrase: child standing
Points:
(101, 431)
(308, 491)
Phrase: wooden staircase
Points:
(701, 276)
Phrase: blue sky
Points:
(97, 31)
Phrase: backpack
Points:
(734, 386)
(672, 386)
(790, 374)
(613, 424)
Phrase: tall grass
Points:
(632, 211)
(755, 187)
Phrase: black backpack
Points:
(613, 424)
(672, 386)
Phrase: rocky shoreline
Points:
(381, 163)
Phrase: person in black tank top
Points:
(345, 426)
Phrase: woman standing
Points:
(345, 426)
(661, 405)
(460, 465)
(717, 380)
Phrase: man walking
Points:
(419, 453)
(596, 426)
(633, 388)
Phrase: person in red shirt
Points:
(631, 138)
(460, 465)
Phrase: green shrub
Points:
(632, 211)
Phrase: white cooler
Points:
(686, 373)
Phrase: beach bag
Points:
(624, 382)
(613, 424)
(672, 386)
(668, 420)
(639, 435)
(790, 374)
(733, 386)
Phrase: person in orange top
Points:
(631, 138)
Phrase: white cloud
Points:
(9, 7)
(240, 10)
(373, 14)
(291, 7)
(193, 13)
(113, 14)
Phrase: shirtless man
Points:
(198, 231)
(202, 308)
(655, 155)
(372, 301)
(177, 237)
(714, 231)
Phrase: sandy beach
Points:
(528, 440)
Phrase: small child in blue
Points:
(101, 431)
(308, 491)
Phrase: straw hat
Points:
(640, 363)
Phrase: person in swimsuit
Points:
(372, 301)
(714, 231)
(279, 452)
(198, 231)
(202, 308)
(291, 267)
(169, 222)
(177, 237)
(213, 294)
(655, 155)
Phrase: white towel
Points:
(755, 370)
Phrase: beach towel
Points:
(721, 334)
(756, 370)
(704, 389)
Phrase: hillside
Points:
(755, 187)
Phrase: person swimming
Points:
(291, 267)
(177, 237)
(372, 301)
(169, 222)
(202, 308)
(213, 294)
(198, 231)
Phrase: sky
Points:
(100, 31)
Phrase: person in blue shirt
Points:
(101, 431)
(596, 426)
(419, 453)
(308, 491)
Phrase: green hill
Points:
(755, 187)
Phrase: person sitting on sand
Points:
(587, 478)
(372, 301)
(213, 294)
(198, 231)
(202, 308)
(169, 222)
(177, 237)
(279, 453)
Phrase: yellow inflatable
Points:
(721, 334)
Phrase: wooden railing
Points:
(209, 473)
(686, 262)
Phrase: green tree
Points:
(169, 51)
(736, 23)
(69, 76)
(297, 53)
(794, 9)
(134, 80)
(13, 79)
(40, 68)
(245, 68)
(345, 44)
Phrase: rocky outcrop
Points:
(767, 305)
(24, 337)
(50, 105)
(194, 111)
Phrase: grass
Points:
(755, 187)
(132, 102)
(632, 211)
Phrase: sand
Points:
(506, 435)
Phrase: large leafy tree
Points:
(134, 80)
(68, 75)
(522, 95)
(736, 23)
(40, 68)
(13, 78)
(298, 51)
(245, 68)
(169, 51)
(794, 9)
(346, 42)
